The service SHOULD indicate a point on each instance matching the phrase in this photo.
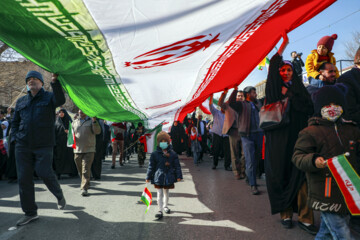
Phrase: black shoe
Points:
(213, 167)
(228, 169)
(310, 229)
(286, 223)
(159, 215)
(254, 190)
(112, 166)
(26, 219)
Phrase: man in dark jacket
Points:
(251, 134)
(297, 63)
(352, 80)
(33, 130)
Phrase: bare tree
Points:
(352, 45)
(7, 54)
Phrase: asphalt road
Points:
(208, 204)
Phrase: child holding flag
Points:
(163, 171)
(328, 135)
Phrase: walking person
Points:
(285, 183)
(63, 155)
(97, 163)
(119, 130)
(177, 134)
(220, 141)
(230, 128)
(250, 132)
(139, 131)
(164, 171)
(195, 139)
(33, 131)
(85, 130)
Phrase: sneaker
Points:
(159, 215)
(167, 210)
(287, 223)
(61, 203)
(242, 176)
(310, 228)
(254, 190)
(84, 192)
(26, 219)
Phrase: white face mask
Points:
(331, 112)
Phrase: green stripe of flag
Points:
(68, 42)
(350, 172)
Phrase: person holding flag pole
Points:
(164, 171)
(334, 186)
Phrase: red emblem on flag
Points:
(349, 185)
(172, 53)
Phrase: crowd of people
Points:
(318, 122)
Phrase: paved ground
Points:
(208, 204)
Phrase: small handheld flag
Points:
(348, 181)
(71, 142)
(146, 198)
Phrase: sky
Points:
(305, 37)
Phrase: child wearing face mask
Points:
(317, 57)
(163, 171)
(328, 135)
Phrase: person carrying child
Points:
(318, 56)
(327, 135)
(163, 171)
(195, 139)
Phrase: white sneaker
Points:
(84, 192)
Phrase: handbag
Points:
(275, 115)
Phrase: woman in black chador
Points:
(63, 155)
(177, 134)
(285, 183)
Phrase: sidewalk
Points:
(208, 204)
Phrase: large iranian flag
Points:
(152, 60)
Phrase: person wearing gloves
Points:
(164, 170)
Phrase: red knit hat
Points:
(327, 41)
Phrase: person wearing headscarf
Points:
(177, 134)
(63, 155)
(286, 184)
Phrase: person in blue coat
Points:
(164, 170)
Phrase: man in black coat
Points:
(352, 80)
(297, 63)
(33, 130)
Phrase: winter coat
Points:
(312, 65)
(352, 80)
(320, 139)
(159, 173)
(177, 134)
(85, 135)
(33, 124)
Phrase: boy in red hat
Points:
(317, 57)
